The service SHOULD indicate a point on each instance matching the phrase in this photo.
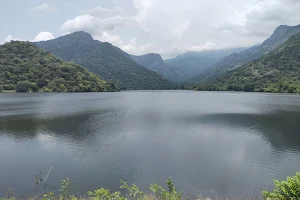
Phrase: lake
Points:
(209, 142)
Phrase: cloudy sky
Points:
(168, 27)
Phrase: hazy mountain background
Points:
(193, 63)
(276, 71)
(233, 61)
(155, 63)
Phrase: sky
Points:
(167, 27)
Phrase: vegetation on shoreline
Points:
(285, 190)
(26, 68)
(277, 71)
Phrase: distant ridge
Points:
(193, 63)
(280, 35)
(155, 63)
(106, 60)
(276, 71)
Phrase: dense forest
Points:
(26, 68)
(277, 71)
(105, 60)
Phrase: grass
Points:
(8, 91)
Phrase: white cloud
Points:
(171, 27)
(195, 25)
(111, 38)
(101, 23)
(42, 10)
(95, 25)
(133, 48)
(43, 36)
(103, 12)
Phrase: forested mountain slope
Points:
(107, 61)
(25, 67)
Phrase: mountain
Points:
(105, 60)
(155, 63)
(193, 63)
(277, 71)
(279, 36)
(25, 67)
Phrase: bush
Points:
(23, 86)
(285, 190)
(1, 88)
(34, 87)
(41, 83)
(133, 193)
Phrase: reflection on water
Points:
(210, 143)
(280, 127)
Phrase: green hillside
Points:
(24, 67)
(277, 71)
(105, 60)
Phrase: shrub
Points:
(23, 86)
(285, 190)
(133, 193)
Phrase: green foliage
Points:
(132, 193)
(278, 71)
(23, 86)
(161, 193)
(25, 67)
(103, 194)
(105, 60)
(65, 189)
(49, 196)
(285, 190)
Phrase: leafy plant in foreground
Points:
(285, 190)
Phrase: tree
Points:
(23, 86)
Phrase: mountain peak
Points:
(280, 35)
(81, 35)
(105, 60)
(148, 58)
(154, 56)
(282, 29)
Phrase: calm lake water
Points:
(209, 142)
